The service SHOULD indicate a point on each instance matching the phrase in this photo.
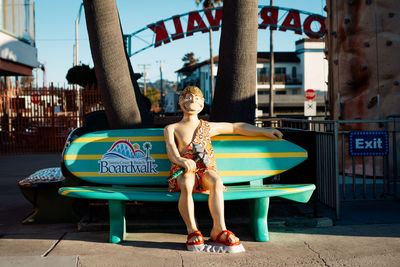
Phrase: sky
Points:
(55, 35)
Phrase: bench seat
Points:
(298, 192)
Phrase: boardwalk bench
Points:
(133, 165)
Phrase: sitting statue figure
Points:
(189, 147)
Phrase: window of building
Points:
(294, 72)
(262, 75)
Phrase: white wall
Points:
(314, 65)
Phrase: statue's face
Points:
(192, 104)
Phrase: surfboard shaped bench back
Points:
(119, 160)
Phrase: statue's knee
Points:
(215, 182)
(186, 183)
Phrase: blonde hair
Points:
(194, 90)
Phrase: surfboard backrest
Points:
(139, 157)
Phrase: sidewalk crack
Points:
(180, 255)
(47, 252)
(314, 251)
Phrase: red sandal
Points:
(225, 246)
(197, 245)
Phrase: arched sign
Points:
(204, 20)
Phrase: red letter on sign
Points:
(307, 27)
(292, 22)
(178, 28)
(161, 33)
(270, 18)
(191, 27)
(214, 22)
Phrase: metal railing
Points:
(40, 119)
(339, 176)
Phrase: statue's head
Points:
(191, 100)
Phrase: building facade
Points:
(295, 72)
(18, 53)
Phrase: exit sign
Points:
(368, 143)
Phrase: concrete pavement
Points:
(62, 245)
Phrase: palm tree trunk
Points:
(235, 88)
(113, 71)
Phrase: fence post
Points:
(336, 143)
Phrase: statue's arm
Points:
(243, 129)
(173, 152)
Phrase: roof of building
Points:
(306, 40)
(279, 57)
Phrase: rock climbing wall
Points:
(363, 45)
(363, 50)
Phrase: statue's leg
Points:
(186, 184)
(213, 182)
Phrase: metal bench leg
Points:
(259, 218)
(116, 209)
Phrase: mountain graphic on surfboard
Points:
(123, 149)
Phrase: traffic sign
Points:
(310, 94)
(310, 108)
(35, 98)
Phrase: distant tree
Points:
(82, 75)
(27, 81)
(154, 96)
(189, 59)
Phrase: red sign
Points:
(310, 94)
(35, 98)
(269, 15)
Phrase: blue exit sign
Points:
(368, 143)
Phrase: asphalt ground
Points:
(367, 235)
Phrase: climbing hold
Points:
(334, 34)
(366, 44)
(364, 68)
(336, 61)
(396, 83)
(368, 2)
(349, 82)
(391, 15)
(346, 21)
(389, 42)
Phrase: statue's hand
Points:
(188, 164)
(273, 133)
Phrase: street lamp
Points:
(77, 20)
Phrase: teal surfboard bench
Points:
(132, 164)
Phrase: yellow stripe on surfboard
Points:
(230, 189)
(98, 157)
(166, 173)
(114, 139)
(161, 138)
(218, 156)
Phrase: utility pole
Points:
(76, 55)
(161, 85)
(144, 73)
(211, 70)
(271, 69)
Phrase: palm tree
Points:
(120, 91)
(189, 59)
(235, 88)
(209, 3)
